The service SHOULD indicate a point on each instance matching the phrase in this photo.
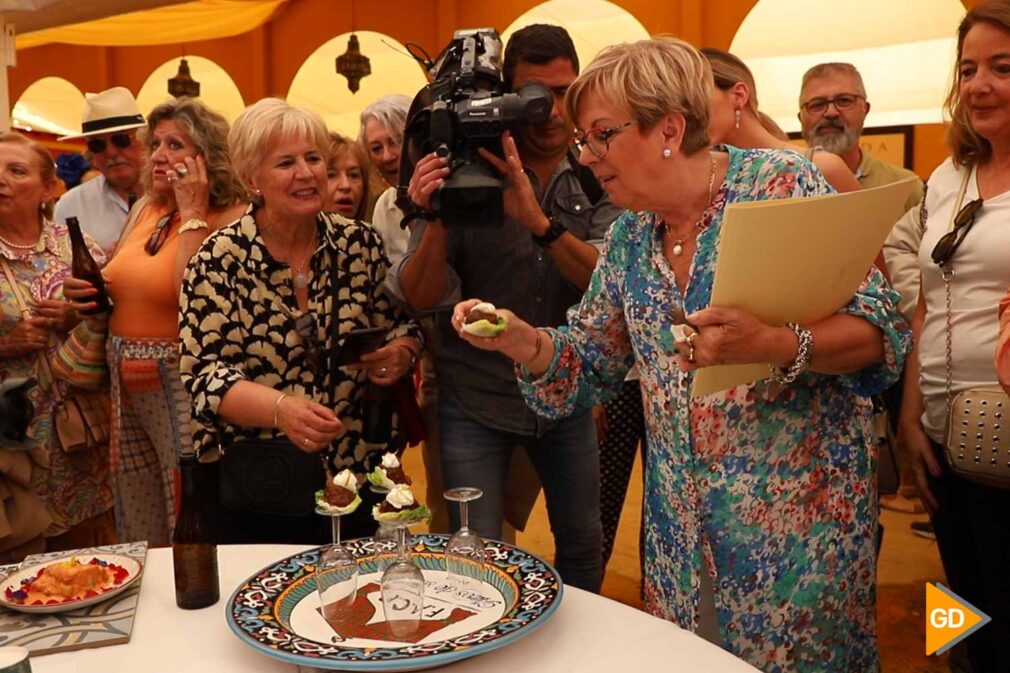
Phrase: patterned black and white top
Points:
(237, 322)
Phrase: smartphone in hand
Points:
(357, 342)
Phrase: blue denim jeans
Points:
(568, 461)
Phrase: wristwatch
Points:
(191, 224)
(552, 234)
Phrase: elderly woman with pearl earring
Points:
(268, 302)
(759, 500)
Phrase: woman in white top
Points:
(970, 191)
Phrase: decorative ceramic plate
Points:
(125, 570)
(277, 610)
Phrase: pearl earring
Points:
(736, 117)
(667, 153)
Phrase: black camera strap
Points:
(590, 185)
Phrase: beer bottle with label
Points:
(84, 267)
(194, 553)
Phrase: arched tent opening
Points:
(317, 86)
(217, 89)
(593, 24)
(49, 105)
(905, 54)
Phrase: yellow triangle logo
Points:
(949, 619)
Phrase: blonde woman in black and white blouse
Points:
(256, 311)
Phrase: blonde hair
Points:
(728, 71)
(46, 165)
(208, 131)
(968, 147)
(650, 79)
(260, 123)
(341, 145)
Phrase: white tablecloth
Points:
(587, 634)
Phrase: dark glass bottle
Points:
(194, 553)
(377, 423)
(84, 267)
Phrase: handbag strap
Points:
(26, 312)
(334, 324)
(947, 273)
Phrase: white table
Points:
(587, 634)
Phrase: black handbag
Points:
(270, 476)
(273, 476)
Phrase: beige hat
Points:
(111, 110)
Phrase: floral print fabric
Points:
(74, 486)
(770, 489)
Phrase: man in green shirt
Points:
(833, 107)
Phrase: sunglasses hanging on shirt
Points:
(951, 241)
(160, 233)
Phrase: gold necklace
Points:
(678, 245)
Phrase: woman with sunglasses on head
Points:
(262, 305)
(759, 499)
(964, 259)
(189, 191)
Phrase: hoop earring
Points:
(736, 117)
(667, 153)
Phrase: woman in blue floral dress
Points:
(760, 500)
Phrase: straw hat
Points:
(108, 111)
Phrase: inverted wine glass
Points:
(336, 574)
(402, 587)
(465, 554)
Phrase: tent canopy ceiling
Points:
(157, 22)
(28, 15)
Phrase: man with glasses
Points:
(537, 262)
(109, 125)
(833, 107)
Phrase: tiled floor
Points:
(906, 563)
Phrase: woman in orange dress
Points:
(190, 191)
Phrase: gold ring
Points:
(690, 353)
(690, 339)
(306, 441)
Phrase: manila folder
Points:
(796, 260)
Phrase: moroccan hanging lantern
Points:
(353, 65)
(183, 83)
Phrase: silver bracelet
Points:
(277, 406)
(804, 354)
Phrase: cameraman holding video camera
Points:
(537, 262)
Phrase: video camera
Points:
(464, 108)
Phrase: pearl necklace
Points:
(678, 245)
(18, 246)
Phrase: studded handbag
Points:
(977, 445)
